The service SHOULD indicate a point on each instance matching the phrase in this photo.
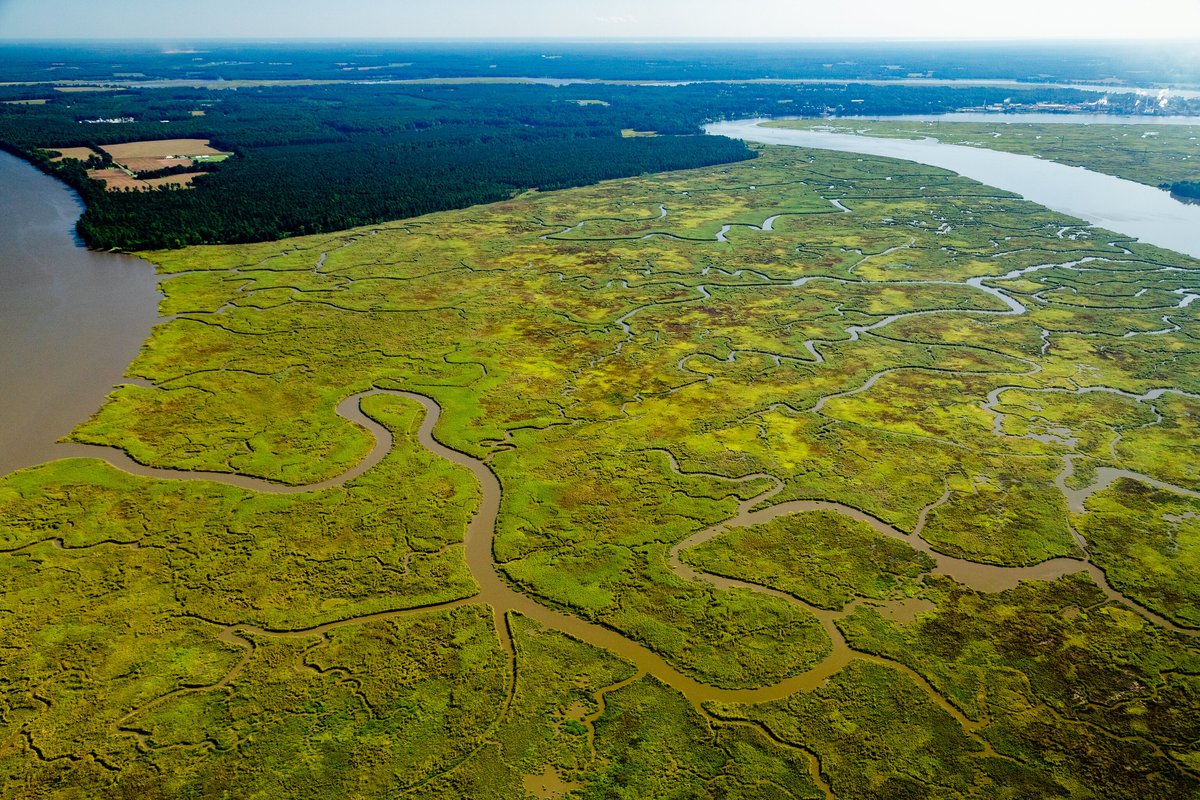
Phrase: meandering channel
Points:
(497, 593)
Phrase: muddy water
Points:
(71, 320)
(348, 408)
(478, 546)
(1107, 476)
(980, 577)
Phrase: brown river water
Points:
(496, 592)
(71, 319)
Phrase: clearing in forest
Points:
(117, 179)
(161, 148)
(138, 165)
(79, 153)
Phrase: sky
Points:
(600, 19)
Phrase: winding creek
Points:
(503, 599)
(134, 282)
(495, 591)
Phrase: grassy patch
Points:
(821, 557)
(1148, 543)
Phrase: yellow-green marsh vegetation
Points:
(635, 362)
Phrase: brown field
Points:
(630, 133)
(183, 179)
(590, 102)
(115, 179)
(81, 153)
(118, 180)
(146, 164)
(198, 113)
(24, 102)
(160, 148)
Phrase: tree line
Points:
(319, 158)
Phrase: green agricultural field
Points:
(712, 507)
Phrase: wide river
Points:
(71, 319)
(1125, 207)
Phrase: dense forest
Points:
(322, 157)
(298, 189)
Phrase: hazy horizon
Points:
(591, 20)
(566, 40)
